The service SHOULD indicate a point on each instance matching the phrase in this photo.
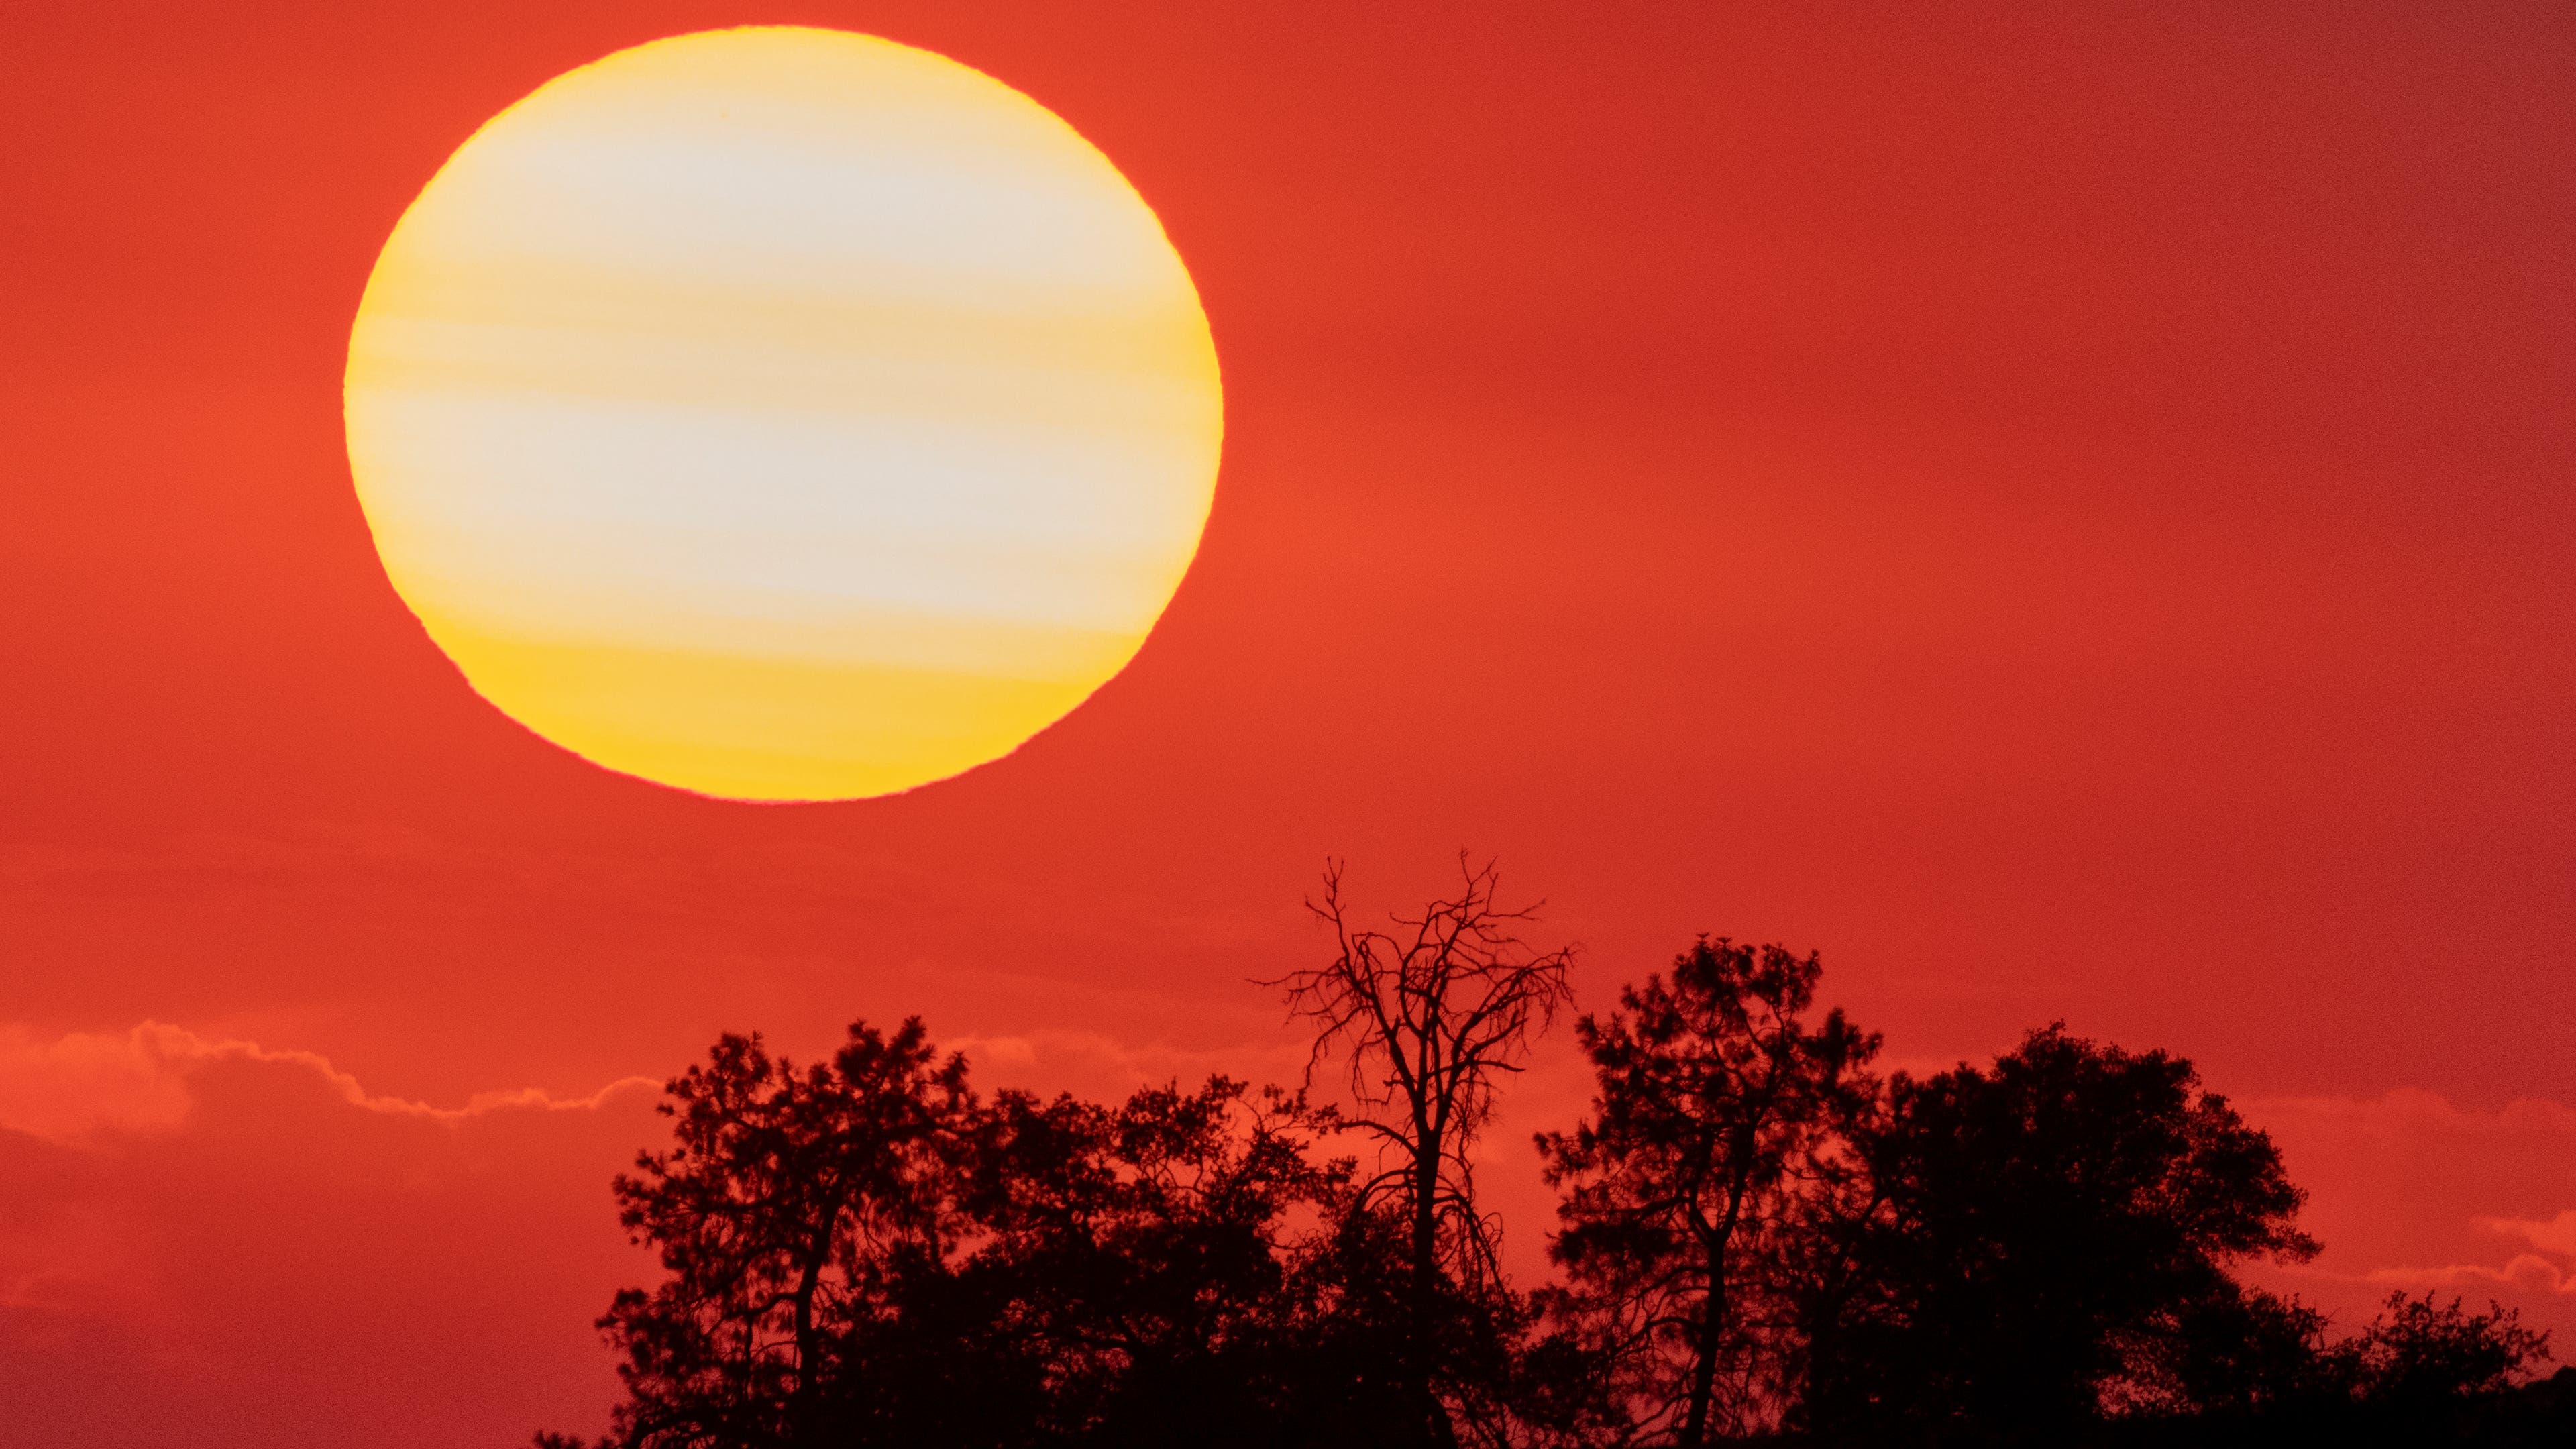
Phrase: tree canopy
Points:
(1718, 1140)
(2037, 1234)
(1757, 1239)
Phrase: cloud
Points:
(2554, 1236)
(241, 1234)
(71, 1089)
(2525, 1274)
(2414, 1192)
(79, 1089)
(2412, 1114)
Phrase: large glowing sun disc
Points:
(783, 414)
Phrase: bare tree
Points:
(1428, 1017)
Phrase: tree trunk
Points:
(800, 1403)
(1422, 1311)
(1717, 1241)
(1703, 1391)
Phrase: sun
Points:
(783, 414)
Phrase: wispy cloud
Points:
(2554, 1236)
(2413, 1191)
(200, 1212)
(81, 1088)
(2525, 1273)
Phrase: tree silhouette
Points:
(1428, 1017)
(792, 1207)
(2037, 1234)
(1759, 1239)
(1138, 1254)
(863, 1252)
(2420, 1373)
(2239, 1354)
(1719, 1130)
(2415, 1359)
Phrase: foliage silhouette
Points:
(1718, 1136)
(1759, 1240)
(798, 1208)
(1137, 1255)
(2415, 1356)
(2037, 1237)
(2421, 1373)
(864, 1252)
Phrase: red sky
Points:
(2066, 514)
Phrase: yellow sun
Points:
(783, 414)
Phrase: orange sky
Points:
(2068, 516)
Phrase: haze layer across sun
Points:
(783, 414)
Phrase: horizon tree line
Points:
(1759, 1238)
